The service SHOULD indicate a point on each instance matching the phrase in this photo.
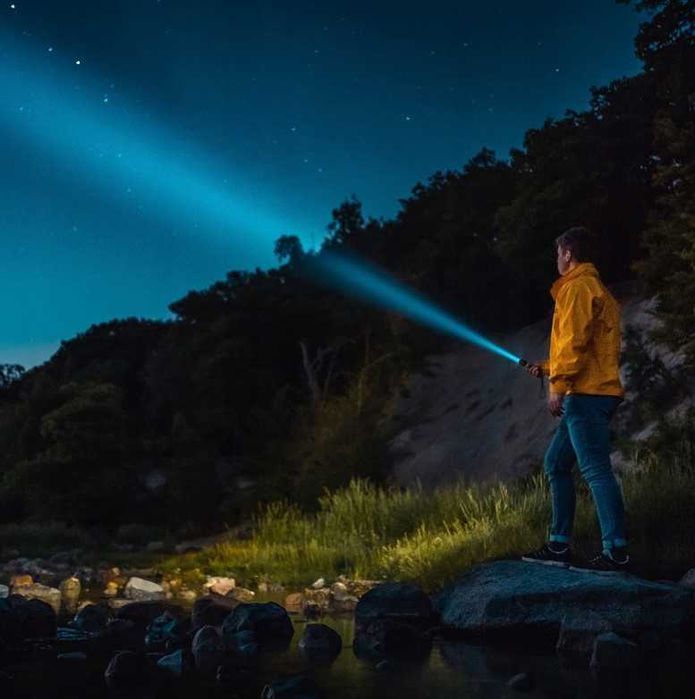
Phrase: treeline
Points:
(266, 385)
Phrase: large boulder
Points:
(320, 642)
(507, 599)
(398, 602)
(26, 618)
(208, 650)
(49, 595)
(268, 621)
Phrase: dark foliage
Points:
(266, 385)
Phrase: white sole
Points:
(598, 572)
(557, 564)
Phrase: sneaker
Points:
(550, 555)
(611, 563)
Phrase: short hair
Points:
(580, 241)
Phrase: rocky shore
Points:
(145, 636)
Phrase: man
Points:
(585, 390)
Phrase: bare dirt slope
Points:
(477, 416)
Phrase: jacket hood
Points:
(583, 269)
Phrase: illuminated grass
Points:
(431, 538)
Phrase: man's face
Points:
(564, 258)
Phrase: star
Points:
(13, 7)
(50, 49)
(78, 62)
(408, 118)
(557, 70)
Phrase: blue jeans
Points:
(583, 435)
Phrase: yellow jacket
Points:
(585, 339)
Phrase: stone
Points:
(243, 643)
(166, 629)
(141, 590)
(344, 605)
(155, 547)
(391, 638)
(339, 591)
(294, 687)
(92, 618)
(22, 617)
(208, 650)
(612, 652)
(20, 581)
(318, 584)
(111, 589)
(211, 611)
(578, 630)
(142, 614)
(320, 641)
(70, 590)
(515, 600)
(523, 682)
(268, 621)
(174, 663)
(294, 602)
(125, 670)
(219, 586)
(50, 595)
(4, 591)
(241, 594)
(401, 602)
(321, 597)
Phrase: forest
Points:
(267, 386)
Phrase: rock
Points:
(688, 580)
(401, 602)
(578, 631)
(312, 610)
(141, 590)
(321, 597)
(187, 547)
(17, 581)
(612, 652)
(241, 594)
(358, 588)
(92, 618)
(125, 671)
(343, 605)
(177, 663)
(154, 546)
(268, 621)
(50, 595)
(4, 591)
(72, 657)
(167, 630)
(142, 614)
(26, 618)
(318, 584)
(211, 611)
(208, 650)
(243, 643)
(339, 591)
(523, 682)
(295, 687)
(391, 638)
(111, 589)
(320, 641)
(70, 590)
(506, 599)
(187, 595)
(220, 586)
(294, 602)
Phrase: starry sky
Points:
(149, 146)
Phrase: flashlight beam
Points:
(378, 288)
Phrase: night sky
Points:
(149, 146)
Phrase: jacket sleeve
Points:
(575, 315)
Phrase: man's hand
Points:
(535, 370)
(555, 404)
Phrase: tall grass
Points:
(431, 537)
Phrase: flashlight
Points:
(525, 363)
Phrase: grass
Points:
(431, 537)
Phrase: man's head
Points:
(575, 245)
